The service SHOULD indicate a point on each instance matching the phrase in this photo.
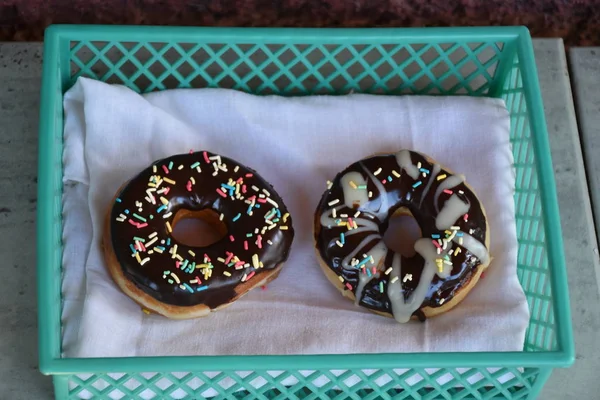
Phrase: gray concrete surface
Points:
(581, 251)
(584, 64)
(20, 69)
(20, 75)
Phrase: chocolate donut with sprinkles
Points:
(449, 257)
(179, 281)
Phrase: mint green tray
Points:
(495, 62)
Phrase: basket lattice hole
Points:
(312, 58)
(412, 69)
(194, 383)
(158, 46)
(156, 69)
(270, 69)
(384, 69)
(213, 69)
(186, 47)
(371, 56)
(282, 82)
(421, 83)
(148, 394)
(400, 56)
(457, 55)
(430, 55)
(474, 45)
(477, 83)
(114, 54)
(352, 380)
(85, 394)
(142, 55)
(367, 83)
(100, 384)
(418, 46)
(272, 48)
(445, 46)
(242, 70)
(342, 57)
(395, 84)
(298, 69)
(142, 82)
(116, 394)
(132, 384)
(128, 68)
(171, 56)
(163, 383)
(253, 84)
(468, 68)
(486, 55)
(100, 68)
(200, 56)
(226, 383)
(320, 380)
(172, 82)
(85, 54)
(440, 68)
(491, 70)
(258, 382)
(327, 70)
(75, 70)
(185, 69)
(355, 69)
(258, 57)
(450, 82)
(216, 47)
(338, 83)
(229, 83)
(229, 57)
(199, 82)
(414, 379)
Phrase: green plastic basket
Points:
(495, 62)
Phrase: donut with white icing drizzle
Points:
(354, 214)
(181, 281)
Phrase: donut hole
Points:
(198, 228)
(402, 233)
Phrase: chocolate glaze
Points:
(400, 193)
(218, 288)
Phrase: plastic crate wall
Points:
(314, 66)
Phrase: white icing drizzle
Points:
(403, 310)
(452, 210)
(352, 195)
(377, 252)
(404, 161)
(434, 171)
(448, 183)
(382, 213)
(326, 219)
(364, 224)
(474, 246)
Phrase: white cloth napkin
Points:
(296, 144)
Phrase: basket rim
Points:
(107, 33)
(70, 366)
(50, 105)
